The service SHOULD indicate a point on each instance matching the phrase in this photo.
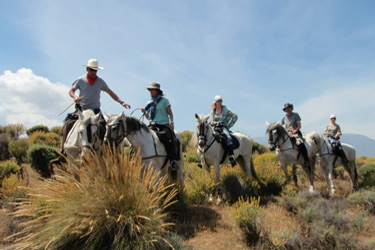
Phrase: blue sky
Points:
(258, 55)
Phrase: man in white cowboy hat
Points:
(90, 86)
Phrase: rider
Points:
(90, 86)
(333, 132)
(225, 118)
(292, 123)
(158, 110)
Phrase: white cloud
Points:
(30, 99)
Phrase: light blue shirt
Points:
(161, 114)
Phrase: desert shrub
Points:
(18, 149)
(191, 155)
(56, 130)
(41, 128)
(259, 148)
(7, 168)
(364, 198)
(110, 202)
(246, 215)
(366, 174)
(4, 144)
(15, 130)
(49, 139)
(185, 138)
(362, 160)
(10, 190)
(237, 184)
(199, 185)
(266, 158)
(39, 157)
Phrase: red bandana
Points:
(91, 80)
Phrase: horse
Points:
(288, 154)
(211, 152)
(327, 160)
(144, 140)
(83, 136)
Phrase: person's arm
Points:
(170, 113)
(72, 93)
(145, 113)
(338, 133)
(295, 131)
(116, 98)
(233, 118)
(326, 131)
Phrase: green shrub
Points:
(4, 144)
(39, 157)
(246, 215)
(56, 130)
(366, 175)
(259, 148)
(49, 139)
(42, 128)
(191, 155)
(110, 202)
(18, 149)
(365, 198)
(7, 168)
(185, 138)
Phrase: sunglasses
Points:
(92, 69)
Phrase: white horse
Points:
(211, 152)
(327, 160)
(288, 154)
(83, 136)
(146, 141)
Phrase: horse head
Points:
(275, 132)
(202, 129)
(88, 129)
(115, 132)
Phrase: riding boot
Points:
(303, 151)
(232, 160)
(342, 154)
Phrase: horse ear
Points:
(97, 117)
(267, 123)
(196, 116)
(106, 116)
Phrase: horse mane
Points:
(134, 124)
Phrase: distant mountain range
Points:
(364, 145)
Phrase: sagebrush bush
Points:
(185, 138)
(109, 202)
(366, 175)
(4, 144)
(49, 139)
(246, 214)
(198, 186)
(7, 168)
(15, 130)
(56, 130)
(364, 198)
(41, 128)
(39, 157)
(18, 149)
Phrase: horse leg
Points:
(329, 178)
(285, 168)
(295, 178)
(354, 175)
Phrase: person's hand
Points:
(143, 111)
(77, 99)
(171, 126)
(212, 123)
(125, 105)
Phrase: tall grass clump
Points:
(246, 215)
(108, 202)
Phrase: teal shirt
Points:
(161, 114)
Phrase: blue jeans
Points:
(229, 138)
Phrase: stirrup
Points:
(199, 165)
(232, 160)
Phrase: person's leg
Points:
(232, 159)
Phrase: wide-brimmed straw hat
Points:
(154, 85)
(93, 64)
(287, 105)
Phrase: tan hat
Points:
(93, 64)
(154, 85)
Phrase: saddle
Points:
(222, 138)
(338, 151)
(167, 139)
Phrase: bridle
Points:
(120, 133)
(202, 136)
(284, 137)
(90, 139)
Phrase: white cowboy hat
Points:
(218, 98)
(93, 64)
